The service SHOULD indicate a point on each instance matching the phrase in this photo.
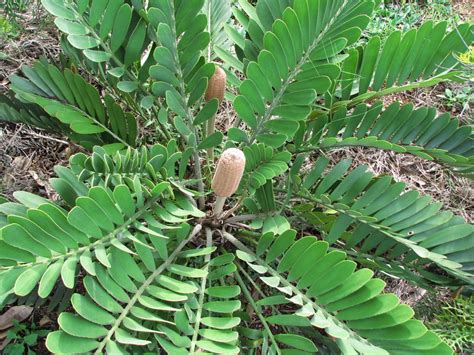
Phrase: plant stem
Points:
(251, 236)
(144, 286)
(372, 95)
(254, 284)
(294, 290)
(235, 208)
(288, 194)
(197, 171)
(189, 117)
(257, 310)
(197, 323)
(219, 206)
(211, 128)
(249, 217)
(209, 29)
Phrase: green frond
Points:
(180, 70)
(269, 339)
(42, 241)
(148, 165)
(294, 56)
(419, 58)
(16, 111)
(218, 13)
(262, 164)
(167, 294)
(376, 216)
(256, 20)
(401, 129)
(331, 295)
(112, 34)
(211, 320)
(181, 74)
(72, 101)
(132, 300)
(262, 18)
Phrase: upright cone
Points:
(215, 90)
(216, 86)
(229, 172)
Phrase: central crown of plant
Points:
(154, 247)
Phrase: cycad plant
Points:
(279, 256)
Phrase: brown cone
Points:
(229, 171)
(216, 86)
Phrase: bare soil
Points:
(27, 159)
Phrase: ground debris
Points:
(27, 159)
(18, 313)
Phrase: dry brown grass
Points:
(28, 156)
(27, 159)
(465, 8)
(38, 37)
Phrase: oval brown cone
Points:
(229, 172)
(216, 86)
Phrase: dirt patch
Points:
(37, 37)
(27, 159)
(28, 156)
(465, 9)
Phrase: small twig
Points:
(48, 138)
(13, 137)
(198, 173)
(241, 225)
(249, 217)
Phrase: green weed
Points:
(455, 324)
(23, 338)
(405, 15)
(8, 29)
(458, 99)
(12, 8)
